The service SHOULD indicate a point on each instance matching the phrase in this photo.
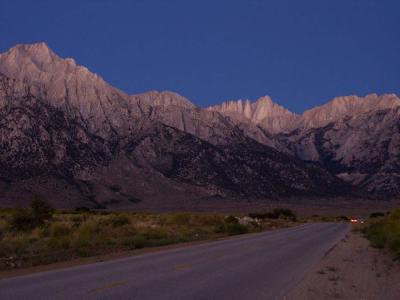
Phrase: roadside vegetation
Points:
(40, 235)
(383, 231)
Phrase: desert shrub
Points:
(17, 246)
(86, 236)
(377, 214)
(120, 220)
(284, 213)
(219, 228)
(257, 215)
(264, 215)
(83, 243)
(207, 220)
(231, 228)
(22, 220)
(44, 232)
(161, 242)
(277, 213)
(155, 234)
(385, 232)
(3, 228)
(3, 223)
(392, 229)
(77, 220)
(41, 210)
(160, 220)
(197, 233)
(59, 230)
(90, 228)
(82, 209)
(58, 243)
(84, 251)
(135, 242)
(375, 233)
(181, 218)
(231, 220)
(26, 219)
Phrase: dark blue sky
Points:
(301, 53)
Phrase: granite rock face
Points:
(68, 135)
(354, 138)
(262, 112)
(347, 106)
(362, 149)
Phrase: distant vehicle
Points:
(352, 220)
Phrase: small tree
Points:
(42, 211)
(22, 220)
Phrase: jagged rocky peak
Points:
(66, 85)
(37, 63)
(32, 59)
(257, 111)
(264, 108)
(263, 112)
(164, 98)
(341, 107)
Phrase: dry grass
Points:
(71, 234)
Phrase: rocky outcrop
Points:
(243, 167)
(363, 149)
(347, 106)
(355, 138)
(163, 99)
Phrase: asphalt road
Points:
(256, 266)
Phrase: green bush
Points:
(385, 232)
(231, 228)
(375, 233)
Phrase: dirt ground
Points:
(351, 270)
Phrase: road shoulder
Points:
(351, 270)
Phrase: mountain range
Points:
(71, 137)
